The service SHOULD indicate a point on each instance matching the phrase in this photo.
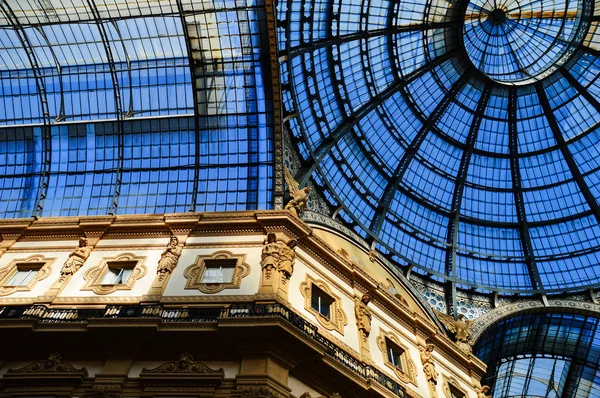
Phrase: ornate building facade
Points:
(299, 199)
(236, 304)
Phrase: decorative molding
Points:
(185, 364)
(262, 392)
(409, 375)
(451, 381)
(102, 392)
(53, 364)
(11, 268)
(93, 277)
(194, 272)
(481, 324)
(338, 320)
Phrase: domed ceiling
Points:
(462, 137)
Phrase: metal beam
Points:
(117, 97)
(364, 35)
(459, 188)
(352, 120)
(191, 64)
(567, 155)
(411, 151)
(46, 129)
(580, 89)
(513, 143)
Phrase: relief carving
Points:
(388, 286)
(185, 364)
(363, 323)
(75, 260)
(277, 265)
(254, 393)
(169, 258)
(431, 374)
(53, 364)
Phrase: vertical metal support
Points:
(411, 151)
(459, 188)
(118, 109)
(46, 127)
(273, 68)
(513, 143)
(352, 120)
(192, 66)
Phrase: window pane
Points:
(220, 274)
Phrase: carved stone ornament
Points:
(53, 364)
(338, 318)
(431, 374)
(334, 395)
(185, 364)
(363, 317)
(254, 393)
(482, 392)
(460, 328)
(76, 260)
(169, 258)
(446, 385)
(101, 392)
(277, 266)
(389, 287)
(93, 277)
(194, 272)
(408, 372)
(11, 268)
(299, 196)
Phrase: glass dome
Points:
(461, 137)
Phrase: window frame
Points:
(338, 318)
(407, 372)
(12, 268)
(94, 277)
(195, 272)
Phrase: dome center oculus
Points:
(522, 42)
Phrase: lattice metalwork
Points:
(460, 137)
(133, 107)
(542, 355)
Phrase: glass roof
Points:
(460, 136)
(124, 106)
(542, 355)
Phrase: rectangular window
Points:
(25, 273)
(218, 271)
(394, 354)
(321, 302)
(118, 272)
